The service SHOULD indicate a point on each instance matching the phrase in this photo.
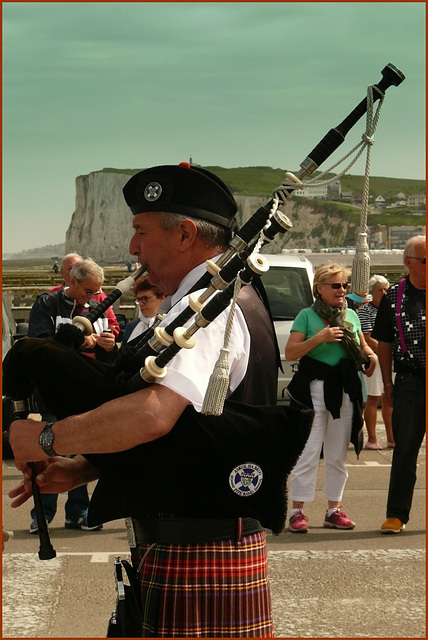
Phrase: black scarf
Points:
(335, 317)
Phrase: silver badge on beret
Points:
(153, 191)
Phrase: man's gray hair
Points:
(70, 255)
(214, 235)
(86, 269)
(410, 245)
(375, 279)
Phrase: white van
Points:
(288, 284)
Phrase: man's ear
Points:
(188, 232)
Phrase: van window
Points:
(288, 291)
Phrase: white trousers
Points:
(334, 435)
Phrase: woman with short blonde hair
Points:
(327, 340)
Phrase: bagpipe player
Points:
(200, 577)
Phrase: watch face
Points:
(46, 438)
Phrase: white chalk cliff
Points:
(101, 225)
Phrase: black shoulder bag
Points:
(125, 621)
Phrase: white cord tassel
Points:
(217, 386)
(218, 383)
(361, 266)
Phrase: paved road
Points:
(327, 583)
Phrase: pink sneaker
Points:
(338, 520)
(299, 523)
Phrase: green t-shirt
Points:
(309, 323)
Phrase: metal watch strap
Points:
(46, 438)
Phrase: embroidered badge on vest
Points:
(246, 479)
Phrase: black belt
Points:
(192, 530)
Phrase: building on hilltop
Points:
(322, 192)
(417, 200)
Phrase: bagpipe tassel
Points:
(217, 386)
(218, 383)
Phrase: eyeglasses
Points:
(338, 285)
(89, 292)
(143, 299)
(421, 260)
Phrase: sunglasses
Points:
(421, 260)
(143, 299)
(338, 285)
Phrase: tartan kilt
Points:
(210, 590)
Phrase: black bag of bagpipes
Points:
(125, 621)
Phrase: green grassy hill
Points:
(260, 181)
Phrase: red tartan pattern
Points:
(211, 590)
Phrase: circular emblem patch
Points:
(153, 191)
(246, 479)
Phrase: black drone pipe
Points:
(391, 76)
(46, 550)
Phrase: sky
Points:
(89, 85)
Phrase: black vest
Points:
(117, 499)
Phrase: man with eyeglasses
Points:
(48, 313)
(67, 263)
(51, 310)
(400, 331)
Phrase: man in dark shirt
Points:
(400, 331)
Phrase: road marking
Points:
(350, 554)
(103, 556)
(16, 558)
(25, 609)
(368, 463)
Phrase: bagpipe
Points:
(231, 460)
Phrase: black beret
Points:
(184, 189)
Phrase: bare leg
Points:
(298, 505)
(333, 505)
(387, 419)
(370, 414)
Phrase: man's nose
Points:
(134, 246)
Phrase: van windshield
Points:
(288, 291)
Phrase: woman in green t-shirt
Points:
(328, 341)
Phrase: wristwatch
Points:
(46, 439)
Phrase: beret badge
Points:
(153, 191)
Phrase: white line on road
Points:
(369, 463)
(103, 556)
(28, 586)
(350, 554)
